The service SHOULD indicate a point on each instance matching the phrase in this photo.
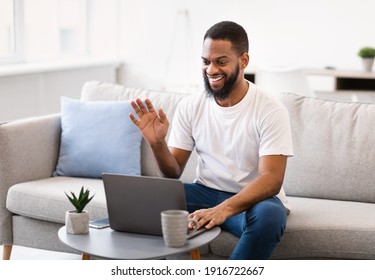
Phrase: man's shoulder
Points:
(194, 100)
(266, 98)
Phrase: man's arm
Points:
(171, 161)
(266, 185)
(154, 127)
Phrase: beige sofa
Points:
(330, 182)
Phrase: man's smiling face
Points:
(220, 67)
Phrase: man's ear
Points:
(244, 60)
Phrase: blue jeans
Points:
(258, 228)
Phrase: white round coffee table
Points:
(109, 244)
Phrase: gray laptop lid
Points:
(135, 202)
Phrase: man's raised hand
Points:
(152, 125)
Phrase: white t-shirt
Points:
(230, 140)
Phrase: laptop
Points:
(135, 202)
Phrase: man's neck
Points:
(236, 95)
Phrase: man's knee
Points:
(267, 217)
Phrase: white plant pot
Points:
(77, 223)
(367, 64)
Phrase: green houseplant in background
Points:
(367, 54)
(77, 221)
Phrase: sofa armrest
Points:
(29, 151)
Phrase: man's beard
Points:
(225, 91)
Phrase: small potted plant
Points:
(77, 221)
(367, 54)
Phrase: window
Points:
(40, 30)
(9, 31)
(57, 29)
(6, 28)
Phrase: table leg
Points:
(195, 255)
(85, 257)
(7, 250)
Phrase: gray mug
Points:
(174, 225)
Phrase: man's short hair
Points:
(229, 31)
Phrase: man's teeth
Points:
(216, 78)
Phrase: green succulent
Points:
(82, 200)
(367, 52)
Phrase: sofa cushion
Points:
(96, 90)
(97, 137)
(45, 199)
(334, 149)
(319, 228)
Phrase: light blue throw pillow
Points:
(97, 137)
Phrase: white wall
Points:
(38, 93)
(305, 33)
(161, 48)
